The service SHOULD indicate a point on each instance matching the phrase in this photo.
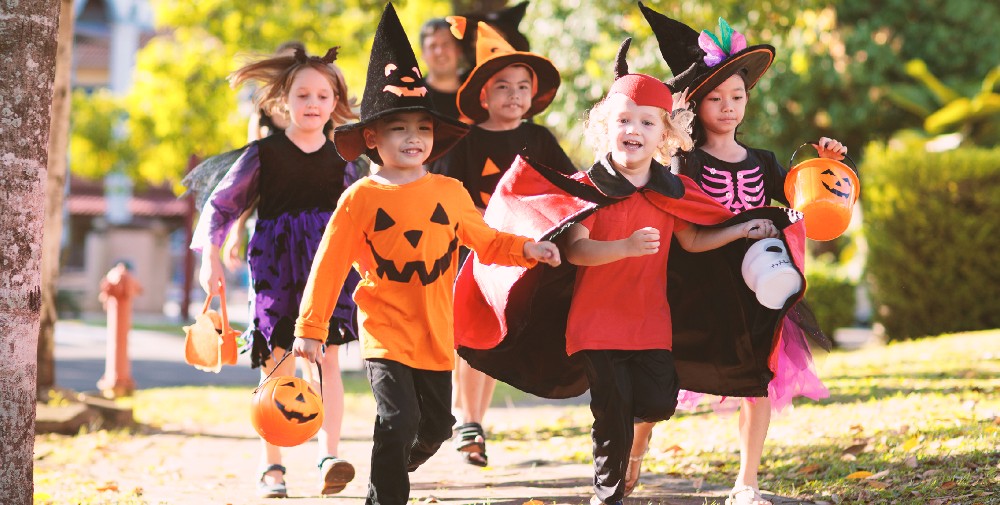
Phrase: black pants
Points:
(624, 386)
(413, 418)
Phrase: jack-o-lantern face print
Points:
(401, 243)
(296, 402)
(841, 187)
(402, 82)
(490, 177)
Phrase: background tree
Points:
(52, 235)
(27, 64)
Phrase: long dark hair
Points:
(698, 129)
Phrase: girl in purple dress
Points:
(295, 177)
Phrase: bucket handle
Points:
(791, 161)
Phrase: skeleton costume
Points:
(700, 62)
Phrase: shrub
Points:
(830, 295)
(933, 236)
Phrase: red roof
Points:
(86, 198)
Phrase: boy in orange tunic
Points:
(402, 227)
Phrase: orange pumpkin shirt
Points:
(404, 240)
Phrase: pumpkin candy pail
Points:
(286, 411)
(825, 192)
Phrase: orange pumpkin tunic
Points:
(404, 240)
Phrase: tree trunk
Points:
(27, 63)
(54, 189)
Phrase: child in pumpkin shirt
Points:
(402, 228)
(506, 88)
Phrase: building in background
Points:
(112, 220)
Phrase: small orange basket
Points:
(210, 342)
(825, 192)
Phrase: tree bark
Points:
(28, 31)
(54, 189)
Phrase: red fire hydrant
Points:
(117, 290)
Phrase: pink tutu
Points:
(794, 375)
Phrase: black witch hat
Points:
(700, 62)
(394, 85)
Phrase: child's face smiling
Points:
(310, 100)
(507, 95)
(635, 132)
(722, 109)
(404, 141)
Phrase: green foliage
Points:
(932, 233)
(972, 113)
(98, 143)
(838, 65)
(831, 296)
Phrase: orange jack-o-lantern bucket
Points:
(286, 411)
(824, 191)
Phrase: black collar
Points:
(614, 185)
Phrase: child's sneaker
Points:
(336, 472)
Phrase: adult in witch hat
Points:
(717, 71)
(402, 227)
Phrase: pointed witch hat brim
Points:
(686, 59)
(493, 54)
(394, 85)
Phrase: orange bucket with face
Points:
(825, 192)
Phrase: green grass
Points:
(922, 418)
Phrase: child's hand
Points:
(210, 273)
(643, 241)
(545, 252)
(308, 348)
(830, 148)
(231, 250)
(759, 228)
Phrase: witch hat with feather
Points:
(700, 62)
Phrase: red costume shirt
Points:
(622, 305)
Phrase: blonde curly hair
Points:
(677, 124)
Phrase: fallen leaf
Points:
(910, 444)
(857, 427)
(676, 449)
(855, 449)
(108, 486)
(859, 475)
(429, 499)
(848, 457)
(809, 469)
(930, 473)
(948, 485)
(533, 502)
(879, 475)
(910, 462)
(877, 484)
(936, 501)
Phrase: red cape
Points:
(510, 322)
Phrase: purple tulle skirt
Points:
(280, 255)
(794, 375)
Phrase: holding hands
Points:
(830, 148)
(642, 242)
(544, 252)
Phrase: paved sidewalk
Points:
(188, 464)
